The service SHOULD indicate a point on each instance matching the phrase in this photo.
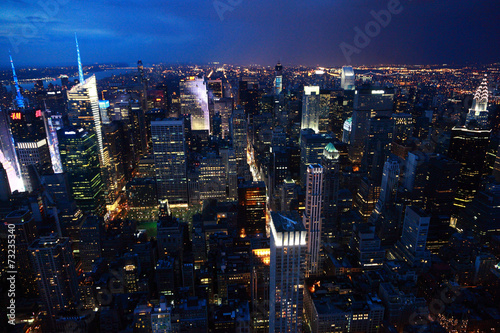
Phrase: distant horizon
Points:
(331, 33)
(285, 65)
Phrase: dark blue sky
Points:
(257, 31)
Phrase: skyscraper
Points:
(252, 208)
(31, 143)
(224, 107)
(286, 286)
(79, 155)
(83, 111)
(347, 79)
(90, 242)
(169, 152)
(377, 146)
(468, 146)
(311, 108)
(238, 129)
(331, 180)
(278, 79)
(311, 149)
(194, 101)
(390, 181)
(479, 112)
(369, 102)
(412, 245)
(312, 218)
(8, 156)
(83, 107)
(25, 232)
(56, 277)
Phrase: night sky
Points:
(257, 31)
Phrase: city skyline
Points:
(217, 198)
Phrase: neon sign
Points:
(16, 116)
(38, 113)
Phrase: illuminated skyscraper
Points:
(169, 152)
(31, 144)
(312, 218)
(311, 150)
(252, 208)
(310, 108)
(83, 108)
(53, 142)
(479, 112)
(19, 98)
(80, 68)
(278, 79)
(79, 155)
(8, 156)
(286, 285)
(348, 79)
(83, 111)
(194, 101)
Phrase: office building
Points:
(347, 78)
(286, 286)
(90, 242)
(412, 245)
(8, 156)
(482, 215)
(369, 102)
(224, 108)
(80, 159)
(331, 180)
(366, 246)
(468, 146)
(252, 208)
(28, 132)
(337, 304)
(194, 101)
(53, 265)
(25, 232)
(390, 182)
(238, 129)
(278, 79)
(310, 108)
(83, 111)
(169, 152)
(312, 217)
(311, 149)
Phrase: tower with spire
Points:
(278, 80)
(80, 68)
(83, 107)
(479, 111)
(19, 98)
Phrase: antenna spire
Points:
(19, 97)
(80, 69)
